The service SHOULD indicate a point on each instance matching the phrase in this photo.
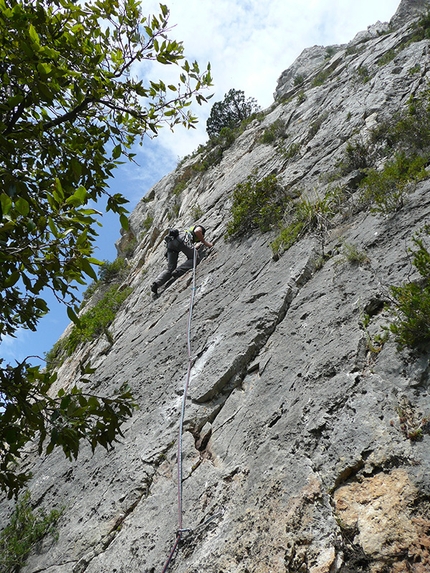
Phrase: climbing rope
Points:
(181, 530)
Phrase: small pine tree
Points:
(230, 112)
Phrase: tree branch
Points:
(70, 115)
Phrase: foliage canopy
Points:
(70, 109)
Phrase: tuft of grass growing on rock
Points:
(320, 78)
(298, 79)
(357, 156)
(291, 151)
(306, 216)
(301, 97)
(411, 420)
(196, 212)
(353, 255)
(387, 58)
(363, 74)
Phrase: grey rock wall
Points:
(292, 445)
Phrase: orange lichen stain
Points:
(380, 510)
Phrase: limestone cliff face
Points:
(292, 444)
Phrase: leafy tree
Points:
(71, 106)
(230, 112)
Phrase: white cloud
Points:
(12, 346)
(250, 43)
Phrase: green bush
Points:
(411, 323)
(147, 222)
(288, 235)
(357, 156)
(385, 190)
(23, 532)
(291, 151)
(92, 324)
(95, 321)
(196, 212)
(415, 69)
(387, 57)
(353, 255)
(363, 74)
(330, 51)
(412, 129)
(179, 187)
(275, 131)
(320, 78)
(185, 176)
(301, 97)
(113, 272)
(256, 204)
(230, 112)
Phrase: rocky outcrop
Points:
(408, 9)
(310, 59)
(294, 455)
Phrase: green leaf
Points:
(53, 228)
(124, 221)
(116, 152)
(34, 37)
(44, 69)
(88, 269)
(73, 316)
(12, 279)
(22, 206)
(6, 203)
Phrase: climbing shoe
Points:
(154, 288)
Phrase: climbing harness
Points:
(188, 237)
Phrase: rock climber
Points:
(181, 243)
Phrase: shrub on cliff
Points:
(256, 205)
(411, 324)
(23, 532)
(92, 323)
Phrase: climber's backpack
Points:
(172, 234)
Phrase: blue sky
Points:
(249, 44)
